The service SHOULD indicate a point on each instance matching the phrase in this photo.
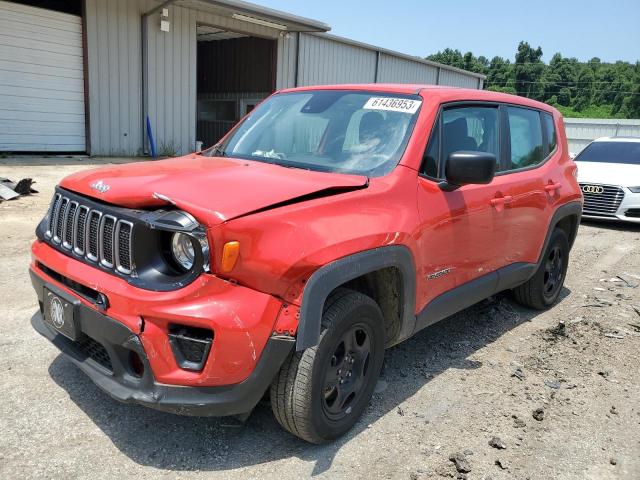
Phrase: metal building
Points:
(581, 131)
(87, 80)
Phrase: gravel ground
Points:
(560, 390)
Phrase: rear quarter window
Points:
(550, 131)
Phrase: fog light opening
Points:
(137, 366)
(190, 346)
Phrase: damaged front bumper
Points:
(124, 385)
(123, 337)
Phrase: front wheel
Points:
(320, 393)
(542, 290)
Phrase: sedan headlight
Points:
(635, 189)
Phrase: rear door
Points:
(528, 180)
(462, 231)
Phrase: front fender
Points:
(324, 280)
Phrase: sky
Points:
(584, 29)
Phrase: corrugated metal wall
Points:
(115, 76)
(324, 61)
(41, 80)
(171, 73)
(286, 64)
(393, 69)
(118, 102)
(114, 49)
(581, 131)
(170, 97)
(458, 79)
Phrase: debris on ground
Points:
(518, 422)
(613, 410)
(538, 414)
(10, 190)
(614, 335)
(518, 373)
(559, 330)
(501, 463)
(555, 384)
(496, 442)
(460, 461)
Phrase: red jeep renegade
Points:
(330, 224)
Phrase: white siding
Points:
(455, 78)
(119, 103)
(324, 61)
(115, 76)
(286, 62)
(581, 131)
(392, 69)
(41, 80)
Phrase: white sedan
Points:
(609, 176)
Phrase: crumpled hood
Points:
(212, 189)
(622, 174)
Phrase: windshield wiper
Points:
(218, 151)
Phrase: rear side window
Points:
(550, 131)
(525, 132)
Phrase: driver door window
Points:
(462, 128)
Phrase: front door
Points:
(462, 230)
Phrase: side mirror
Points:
(465, 167)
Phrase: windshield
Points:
(356, 132)
(611, 152)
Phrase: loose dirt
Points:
(497, 391)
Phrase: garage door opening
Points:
(234, 73)
(42, 90)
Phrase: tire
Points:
(542, 290)
(307, 397)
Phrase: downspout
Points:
(297, 70)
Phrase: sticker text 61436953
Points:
(393, 104)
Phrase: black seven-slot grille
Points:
(92, 233)
(601, 200)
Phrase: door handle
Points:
(499, 201)
(552, 187)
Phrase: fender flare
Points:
(324, 280)
(562, 212)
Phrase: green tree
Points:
(577, 88)
(528, 71)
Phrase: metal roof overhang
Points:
(248, 12)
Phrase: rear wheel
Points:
(321, 392)
(542, 290)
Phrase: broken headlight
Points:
(184, 247)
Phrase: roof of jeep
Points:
(441, 92)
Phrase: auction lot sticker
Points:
(393, 104)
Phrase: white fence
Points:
(580, 131)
